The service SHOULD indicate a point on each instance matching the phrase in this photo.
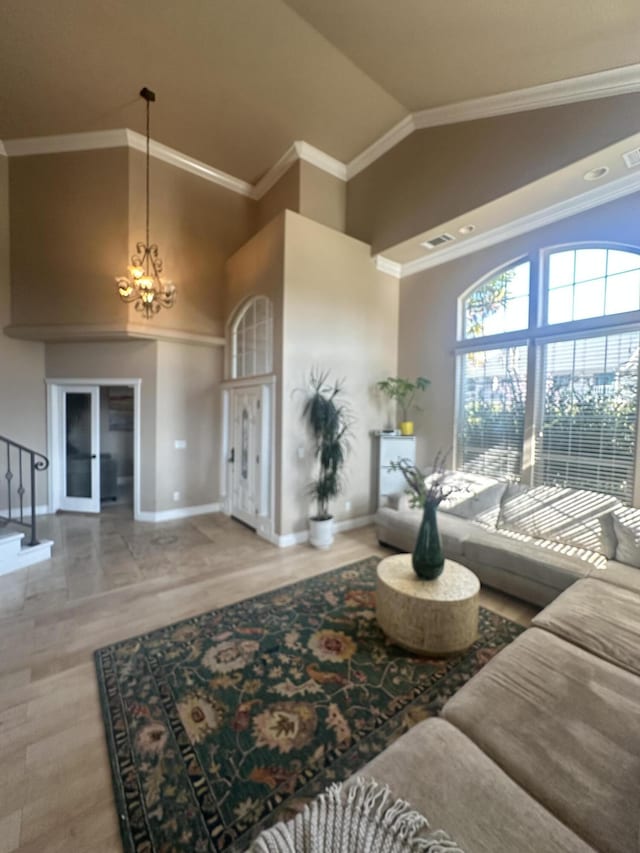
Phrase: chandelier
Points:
(143, 286)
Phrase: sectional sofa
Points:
(540, 751)
(529, 542)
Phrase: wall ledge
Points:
(109, 332)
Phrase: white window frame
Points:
(538, 333)
(239, 322)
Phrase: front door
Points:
(245, 453)
(80, 451)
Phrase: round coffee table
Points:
(434, 618)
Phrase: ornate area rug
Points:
(221, 724)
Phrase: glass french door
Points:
(80, 469)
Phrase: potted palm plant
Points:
(403, 391)
(329, 422)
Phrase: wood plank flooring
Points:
(111, 578)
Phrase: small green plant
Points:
(329, 421)
(403, 391)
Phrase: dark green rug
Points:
(220, 724)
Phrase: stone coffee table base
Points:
(434, 618)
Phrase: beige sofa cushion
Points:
(447, 778)
(570, 516)
(565, 725)
(626, 524)
(602, 618)
(619, 574)
(549, 563)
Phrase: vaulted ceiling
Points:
(238, 81)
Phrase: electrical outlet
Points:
(347, 505)
(176, 496)
(180, 444)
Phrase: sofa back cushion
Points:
(571, 516)
(626, 523)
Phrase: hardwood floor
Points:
(111, 578)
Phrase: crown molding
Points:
(553, 213)
(405, 127)
(388, 266)
(601, 84)
(275, 172)
(323, 161)
(298, 151)
(188, 164)
(122, 138)
(89, 141)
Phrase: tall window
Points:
(548, 371)
(252, 339)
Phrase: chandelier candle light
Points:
(143, 286)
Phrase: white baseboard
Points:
(300, 538)
(353, 523)
(41, 509)
(179, 512)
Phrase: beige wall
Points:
(118, 360)
(76, 218)
(429, 301)
(187, 407)
(179, 400)
(22, 389)
(283, 195)
(196, 225)
(322, 197)
(442, 172)
(307, 190)
(340, 314)
(69, 237)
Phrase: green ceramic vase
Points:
(428, 558)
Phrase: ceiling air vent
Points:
(434, 242)
(632, 158)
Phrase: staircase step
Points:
(10, 543)
(13, 556)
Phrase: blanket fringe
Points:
(366, 820)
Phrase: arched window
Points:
(547, 375)
(252, 339)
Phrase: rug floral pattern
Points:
(223, 723)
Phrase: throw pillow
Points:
(570, 516)
(473, 497)
(626, 523)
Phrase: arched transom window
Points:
(252, 339)
(547, 376)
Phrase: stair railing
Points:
(16, 458)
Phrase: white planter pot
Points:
(321, 532)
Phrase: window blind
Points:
(492, 401)
(586, 432)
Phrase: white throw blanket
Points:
(364, 820)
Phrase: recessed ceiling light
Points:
(596, 174)
(467, 229)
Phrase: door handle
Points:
(93, 456)
(232, 455)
